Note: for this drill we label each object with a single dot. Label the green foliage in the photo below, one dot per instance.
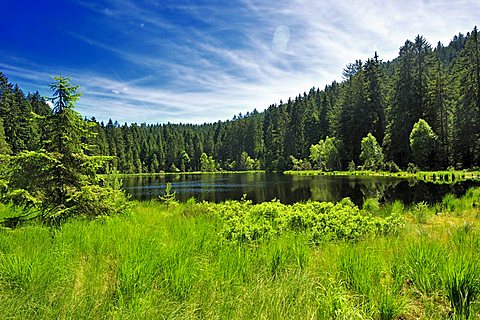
(322, 221)
(4, 147)
(326, 155)
(60, 179)
(371, 205)
(391, 166)
(461, 281)
(372, 155)
(452, 204)
(351, 166)
(300, 164)
(420, 212)
(411, 168)
(423, 144)
(207, 164)
(158, 263)
(169, 196)
(246, 162)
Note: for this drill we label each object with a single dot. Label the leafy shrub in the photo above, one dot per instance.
(371, 205)
(322, 221)
(351, 166)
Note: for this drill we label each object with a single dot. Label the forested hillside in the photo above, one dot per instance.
(439, 84)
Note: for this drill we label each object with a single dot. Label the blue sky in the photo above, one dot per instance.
(203, 61)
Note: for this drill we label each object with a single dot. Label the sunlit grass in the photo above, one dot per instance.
(176, 263)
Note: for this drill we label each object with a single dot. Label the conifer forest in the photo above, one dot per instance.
(439, 84)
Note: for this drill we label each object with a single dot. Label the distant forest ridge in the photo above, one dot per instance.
(439, 84)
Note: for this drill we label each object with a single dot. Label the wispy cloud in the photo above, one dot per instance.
(215, 60)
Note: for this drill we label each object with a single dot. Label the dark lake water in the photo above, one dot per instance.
(261, 187)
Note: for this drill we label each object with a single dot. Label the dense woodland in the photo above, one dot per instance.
(439, 84)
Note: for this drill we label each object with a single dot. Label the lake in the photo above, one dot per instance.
(289, 189)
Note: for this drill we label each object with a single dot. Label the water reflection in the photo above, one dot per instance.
(261, 187)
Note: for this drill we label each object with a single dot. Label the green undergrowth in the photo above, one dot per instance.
(320, 221)
(237, 260)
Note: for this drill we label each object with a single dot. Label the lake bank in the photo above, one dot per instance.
(431, 176)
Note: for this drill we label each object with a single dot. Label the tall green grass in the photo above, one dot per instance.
(179, 263)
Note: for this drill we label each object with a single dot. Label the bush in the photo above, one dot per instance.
(322, 221)
(94, 201)
(371, 205)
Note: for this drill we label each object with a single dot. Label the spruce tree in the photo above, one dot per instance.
(467, 111)
(60, 179)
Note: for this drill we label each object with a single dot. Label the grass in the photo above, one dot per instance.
(176, 263)
(430, 176)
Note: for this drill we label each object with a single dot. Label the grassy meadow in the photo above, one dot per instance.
(237, 260)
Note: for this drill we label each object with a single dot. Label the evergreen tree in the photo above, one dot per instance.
(439, 111)
(396, 145)
(60, 179)
(375, 97)
(354, 120)
(4, 147)
(10, 112)
(467, 118)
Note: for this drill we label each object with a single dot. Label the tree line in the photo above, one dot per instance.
(379, 100)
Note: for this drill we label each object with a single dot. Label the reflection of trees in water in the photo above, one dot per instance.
(356, 188)
(372, 188)
(290, 189)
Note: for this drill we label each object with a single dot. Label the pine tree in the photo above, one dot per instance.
(376, 103)
(439, 112)
(467, 118)
(60, 179)
(4, 147)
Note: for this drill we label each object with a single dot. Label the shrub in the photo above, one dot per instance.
(371, 205)
(322, 221)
